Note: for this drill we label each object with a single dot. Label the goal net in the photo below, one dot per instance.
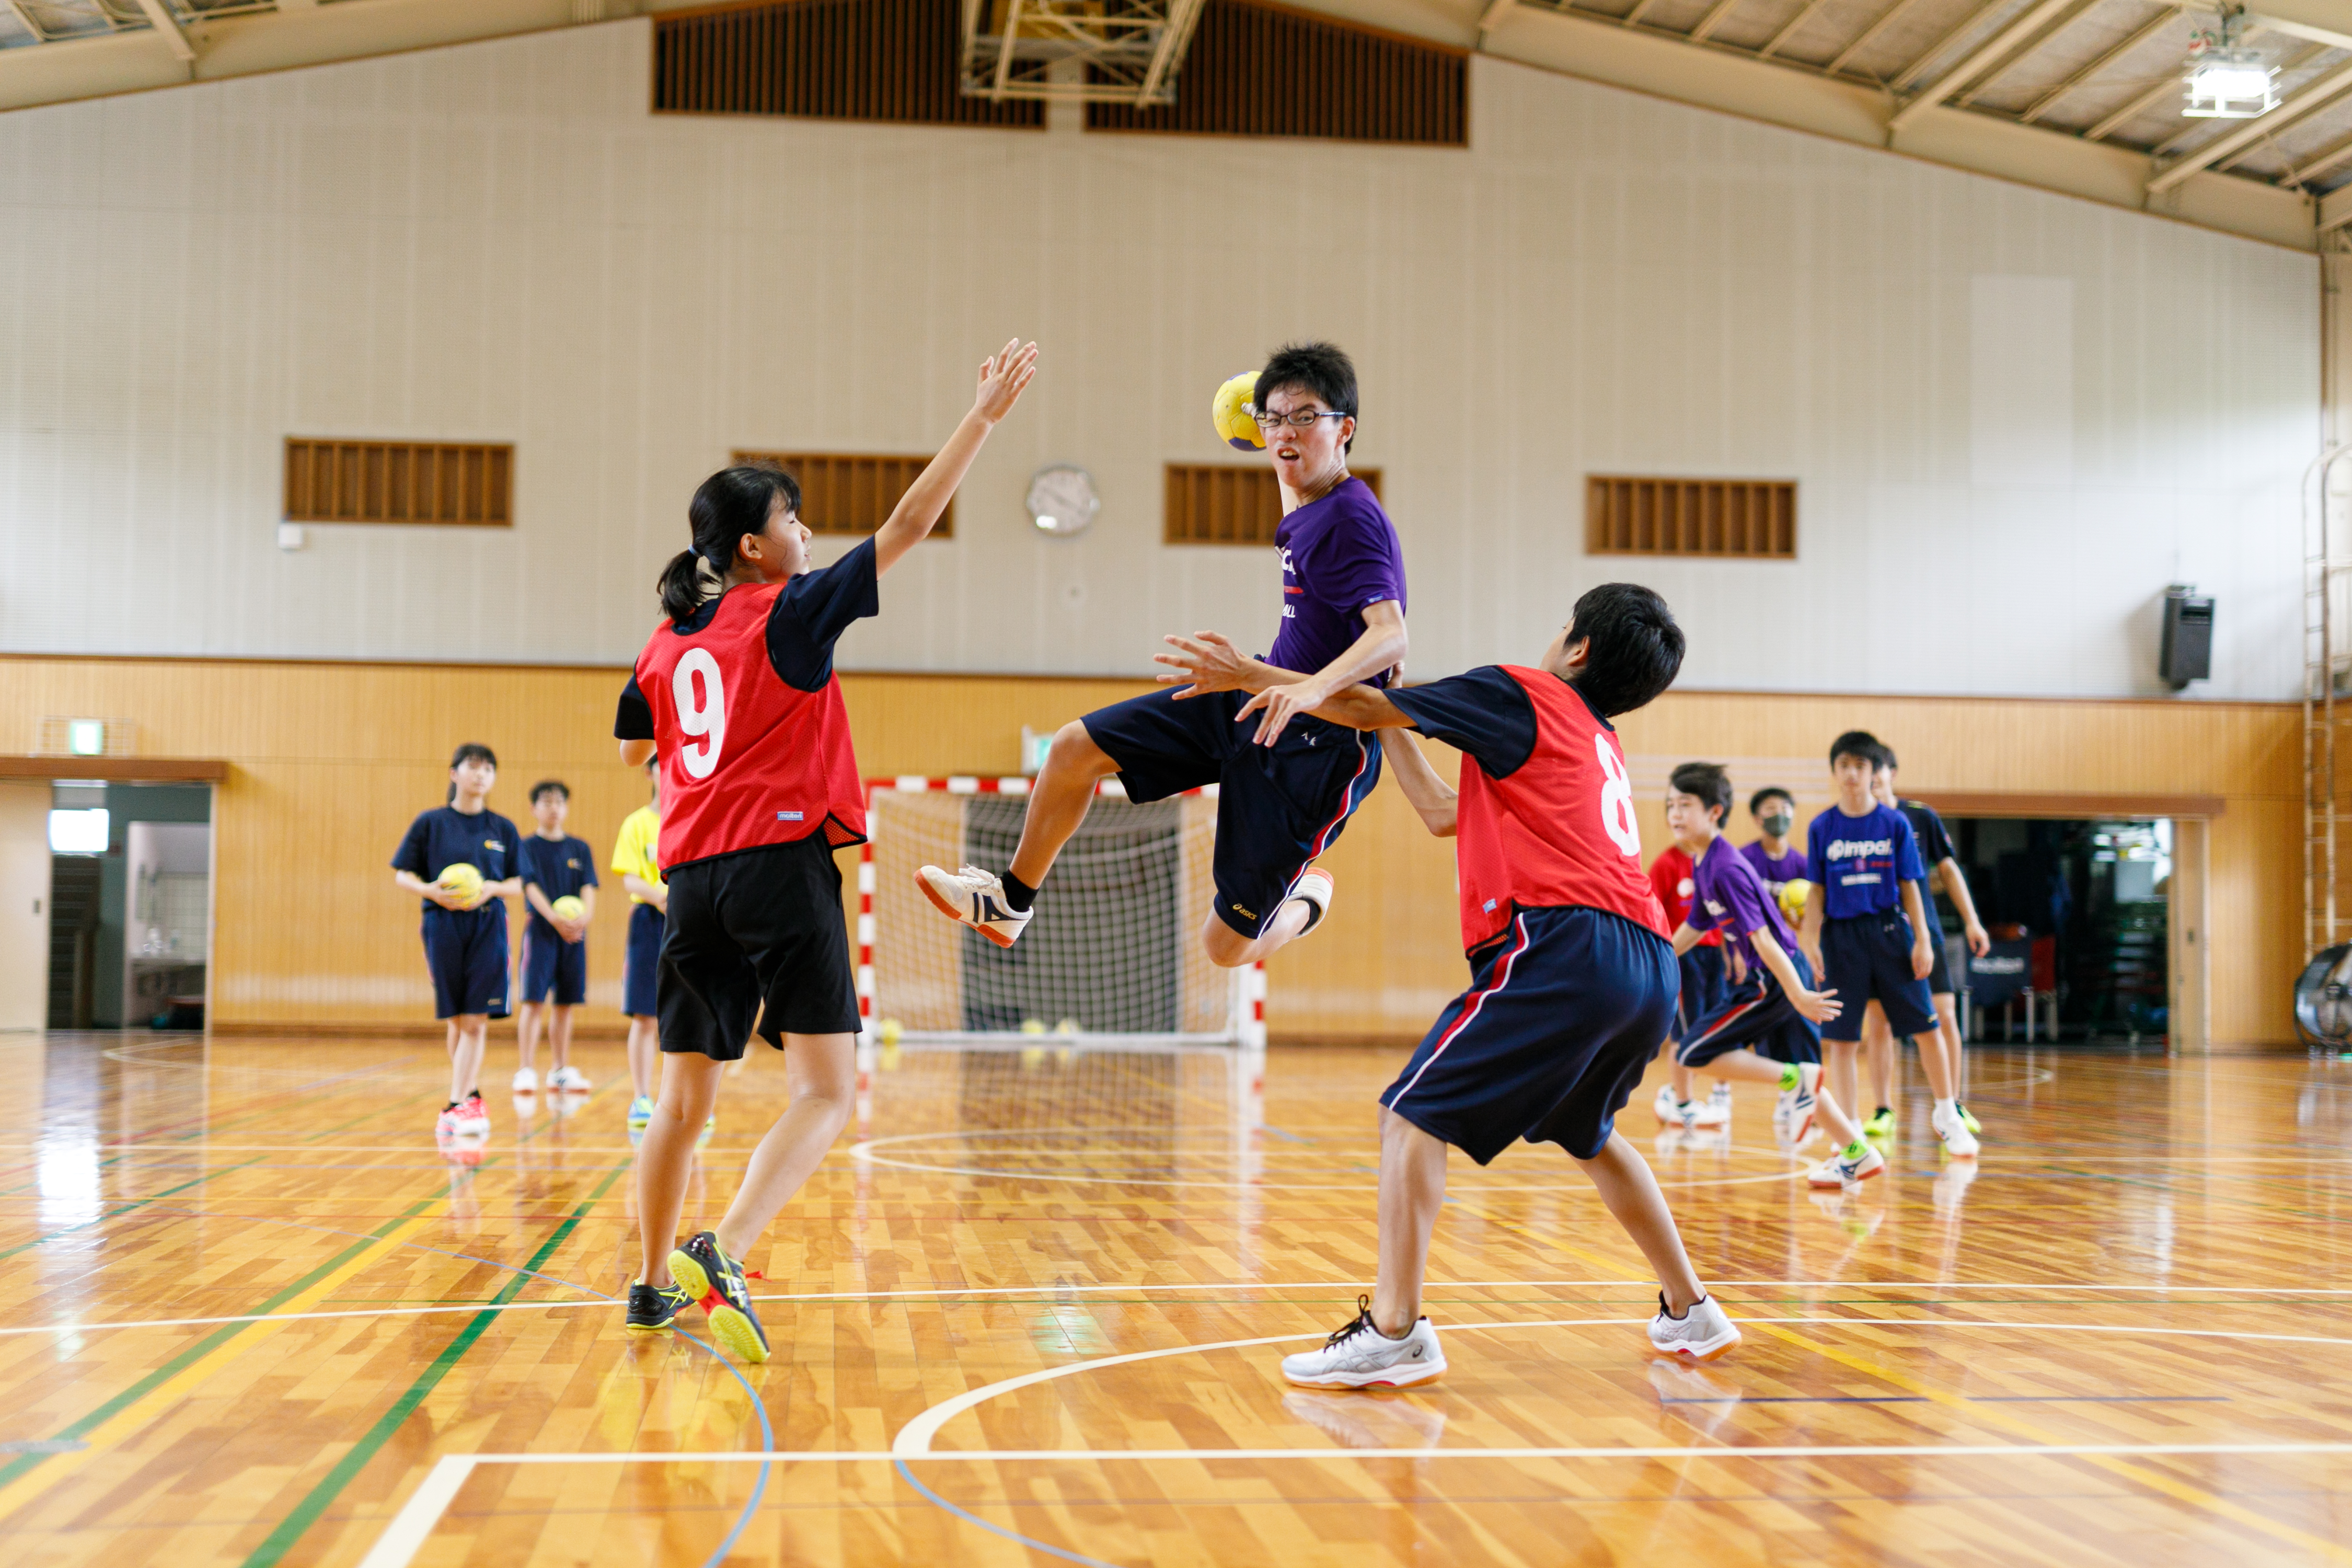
(1113, 956)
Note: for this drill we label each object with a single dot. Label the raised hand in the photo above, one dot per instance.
(1208, 660)
(1001, 378)
(1280, 705)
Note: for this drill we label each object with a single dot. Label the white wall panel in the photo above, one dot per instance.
(498, 242)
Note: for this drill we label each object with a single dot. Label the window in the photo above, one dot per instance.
(82, 832)
(1228, 503)
(892, 60)
(844, 492)
(399, 481)
(1746, 519)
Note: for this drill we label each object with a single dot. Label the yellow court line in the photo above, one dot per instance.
(135, 1417)
(2180, 1491)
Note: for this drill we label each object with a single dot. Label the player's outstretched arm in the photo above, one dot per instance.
(1433, 799)
(1207, 661)
(1382, 648)
(1820, 1007)
(1956, 887)
(1001, 378)
(1357, 707)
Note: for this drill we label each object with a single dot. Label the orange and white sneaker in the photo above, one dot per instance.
(975, 898)
(469, 1118)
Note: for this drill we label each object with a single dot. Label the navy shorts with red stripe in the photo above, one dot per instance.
(1758, 1015)
(1278, 806)
(1564, 1013)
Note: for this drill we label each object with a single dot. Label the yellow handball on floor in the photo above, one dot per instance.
(887, 1031)
(568, 908)
(463, 878)
(1032, 1026)
(1231, 414)
(1792, 898)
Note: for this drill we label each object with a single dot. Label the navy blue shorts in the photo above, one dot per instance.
(1278, 808)
(466, 953)
(551, 964)
(639, 976)
(1939, 979)
(1868, 959)
(1756, 1015)
(1564, 1013)
(1703, 984)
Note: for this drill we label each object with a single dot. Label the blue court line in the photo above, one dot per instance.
(970, 1518)
(1278, 1132)
(1972, 1398)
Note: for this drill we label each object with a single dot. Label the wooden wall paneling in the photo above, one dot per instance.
(2188, 956)
(327, 762)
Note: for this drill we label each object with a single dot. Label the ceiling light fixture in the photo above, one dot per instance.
(2226, 79)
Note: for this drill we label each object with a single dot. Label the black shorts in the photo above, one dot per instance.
(1278, 808)
(641, 969)
(466, 951)
(1939, 979)
(552, 966)
(1564, 1013)
(1756, 1015)
(1702, 983)
(1867, 958)
(755, 937)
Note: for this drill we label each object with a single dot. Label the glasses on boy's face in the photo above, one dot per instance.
(1301, 417)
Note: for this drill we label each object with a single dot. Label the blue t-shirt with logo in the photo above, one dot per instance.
(1339, 555)
(1727, 896)
(1862, 862)
(560, 867)
(443, 836)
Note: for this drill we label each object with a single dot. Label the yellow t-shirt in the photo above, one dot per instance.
(635, 852)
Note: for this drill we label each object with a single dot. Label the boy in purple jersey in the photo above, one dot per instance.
(1777, 860)
(1778, 1002)
(1278, 807)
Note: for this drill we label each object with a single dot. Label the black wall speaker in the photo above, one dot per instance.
(2188, 651)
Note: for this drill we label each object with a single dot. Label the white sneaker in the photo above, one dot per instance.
(974, 897)
(526, 1081)
(1720, 1100)
(1958, 1142)
(568, 1077)
(1837, 1171)
(1700, 1117)
(1802, 1098)
(1313, 889)
(1780, 1108)
(1667, 1109)
(1360, 1356)
(1702, 1333)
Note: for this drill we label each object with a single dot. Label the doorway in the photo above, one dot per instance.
(130, 946)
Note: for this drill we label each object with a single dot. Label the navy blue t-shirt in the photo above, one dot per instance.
(559, 868)
(1862, 862)
(1482, 712)
(443, 836)
(807, 619)
(1935, 843)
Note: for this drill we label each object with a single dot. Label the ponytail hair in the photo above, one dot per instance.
(472, 750)
(728, 505)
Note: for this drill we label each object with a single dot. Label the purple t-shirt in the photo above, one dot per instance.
(1772, 873)
(1338, 554)
(1727, 896)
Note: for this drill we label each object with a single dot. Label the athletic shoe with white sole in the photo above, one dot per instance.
(526, 1081)
(1958, 1142)
(1881, 1123)
(1802, 1100)
(1701, 1116)
(974, 897)
(569, 1079)
(1702, 1333)
(1780, 1109)
(1667, 1108)
(1842, 1171)
(1358, 1355)
(467, 1119)
(641, 1110)
(1720, 1100)
(1313, 889)
(1967, 1119)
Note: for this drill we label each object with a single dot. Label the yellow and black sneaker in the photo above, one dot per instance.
(716, 1282)
(653, 1308)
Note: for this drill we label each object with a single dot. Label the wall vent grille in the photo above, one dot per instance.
(890, 60)
(399, 481)
(1753, 520)
(849, 493)
(1228, 503)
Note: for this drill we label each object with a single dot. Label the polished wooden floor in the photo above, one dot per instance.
(1031, 1308)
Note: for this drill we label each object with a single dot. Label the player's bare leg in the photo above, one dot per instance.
(1838, 1074)
(1623, 1180)
(1878, 1044)
(689, 1092)
(1229, 949)
(1412, 1187)
(558, 1037)
(1059, 799)
(821, 1072)
(1748, 1066)
(469, 1038)
(1948, 1024)
(527, 1018)
(644, 1056)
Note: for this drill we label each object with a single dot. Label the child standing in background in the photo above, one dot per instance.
(636, 862)
(465, 929)
(554, 947)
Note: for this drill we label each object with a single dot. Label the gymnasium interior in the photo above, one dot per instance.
(1972, 372)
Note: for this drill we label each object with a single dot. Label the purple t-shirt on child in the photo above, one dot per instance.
(1771, 873)
(1338, 554)
(1727, 896)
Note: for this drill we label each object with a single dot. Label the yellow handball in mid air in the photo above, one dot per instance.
(462, 879)
(1792, 898)
(1236, 426)
(568, 908)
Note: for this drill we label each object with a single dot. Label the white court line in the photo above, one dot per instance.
(1058, 1288)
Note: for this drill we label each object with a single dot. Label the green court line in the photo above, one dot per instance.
(306, 1513)
(195, 1353)
(126, 1208)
